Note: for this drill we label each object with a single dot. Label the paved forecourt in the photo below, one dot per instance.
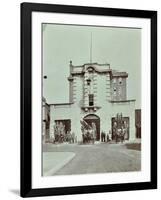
(66, 159)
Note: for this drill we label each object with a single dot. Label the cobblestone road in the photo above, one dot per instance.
(97, 158)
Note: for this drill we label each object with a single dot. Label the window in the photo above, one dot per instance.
(88, 81)
(91, 99)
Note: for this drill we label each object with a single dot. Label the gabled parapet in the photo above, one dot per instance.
(86, 80)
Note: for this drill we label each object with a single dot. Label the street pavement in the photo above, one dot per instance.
(53, 161)
(97, 158)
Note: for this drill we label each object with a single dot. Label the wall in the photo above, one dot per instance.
(71, 112)
(128, 110)
(101, 89)
(78, 90)
(9, 101)
(110, 110)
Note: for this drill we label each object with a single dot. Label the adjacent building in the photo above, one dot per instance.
(45, 121)
(138, 123)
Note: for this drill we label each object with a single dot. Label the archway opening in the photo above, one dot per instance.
(91, 118)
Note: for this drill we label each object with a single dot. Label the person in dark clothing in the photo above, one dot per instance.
(103, 136)
(107, 138)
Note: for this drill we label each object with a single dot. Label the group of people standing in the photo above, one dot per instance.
(119, 135)
(59, 132)
(61, 135)
(106, 137)
(89, 133)
(120, 132)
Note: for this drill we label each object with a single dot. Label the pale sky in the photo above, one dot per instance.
(120, 47)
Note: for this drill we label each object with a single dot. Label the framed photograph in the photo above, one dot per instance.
(88, 99)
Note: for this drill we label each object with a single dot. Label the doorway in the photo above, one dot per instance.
(66, 123)
(91, 118)
(119, 123)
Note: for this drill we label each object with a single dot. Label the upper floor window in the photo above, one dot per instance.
(91, 99)
(88, 81)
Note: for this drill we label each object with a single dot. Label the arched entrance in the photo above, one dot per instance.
(91, 118)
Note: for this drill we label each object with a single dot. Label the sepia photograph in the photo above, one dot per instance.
(91, 99)
(80, 100)
(88, 99)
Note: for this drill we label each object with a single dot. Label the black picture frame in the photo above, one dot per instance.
(26, 103)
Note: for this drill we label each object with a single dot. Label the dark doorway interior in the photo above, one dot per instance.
(95, 119)
(124, 120)
(66, 123)
(138, 123)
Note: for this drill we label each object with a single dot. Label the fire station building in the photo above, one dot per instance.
(96, 94)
